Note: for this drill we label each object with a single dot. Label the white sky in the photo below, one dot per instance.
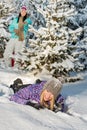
(14, 116)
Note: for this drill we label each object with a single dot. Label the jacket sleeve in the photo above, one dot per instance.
(60, 99)
(29, 21)
(13, 25)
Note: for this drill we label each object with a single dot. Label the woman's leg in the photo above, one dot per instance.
(19, 46)
(9, 51)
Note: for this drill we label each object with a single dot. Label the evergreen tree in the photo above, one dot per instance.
(77, 26)
(50, 52)
(57, 38)
(5, 11)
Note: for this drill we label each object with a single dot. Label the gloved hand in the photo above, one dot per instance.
(35, 105)
(58, 107)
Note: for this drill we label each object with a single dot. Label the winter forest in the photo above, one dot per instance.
(55, 46)
(56, 41)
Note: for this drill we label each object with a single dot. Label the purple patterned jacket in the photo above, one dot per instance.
(31, 93)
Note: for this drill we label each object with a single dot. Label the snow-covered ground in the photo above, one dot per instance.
(14, 116)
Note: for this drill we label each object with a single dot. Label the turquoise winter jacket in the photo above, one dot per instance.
(14, 25)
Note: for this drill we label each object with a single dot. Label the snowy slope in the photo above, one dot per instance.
(21, 117)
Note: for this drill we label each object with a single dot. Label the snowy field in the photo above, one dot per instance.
(14, 116)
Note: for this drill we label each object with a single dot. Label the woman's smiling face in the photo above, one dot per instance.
(47, 95)
(23, 12)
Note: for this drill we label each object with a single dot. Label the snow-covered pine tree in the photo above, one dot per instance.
(49, 52)
(78, 34)
(5, 11)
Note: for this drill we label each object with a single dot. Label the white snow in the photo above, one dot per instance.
(14, 116)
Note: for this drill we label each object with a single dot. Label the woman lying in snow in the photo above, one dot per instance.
(45, 93)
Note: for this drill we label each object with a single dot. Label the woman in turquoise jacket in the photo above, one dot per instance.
(18, 29)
